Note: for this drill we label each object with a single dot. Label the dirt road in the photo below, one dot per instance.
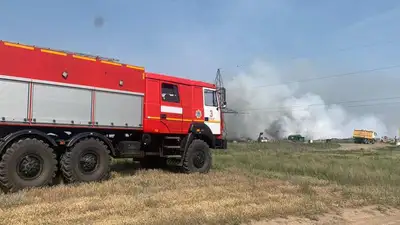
(353, 146)
(364, 216)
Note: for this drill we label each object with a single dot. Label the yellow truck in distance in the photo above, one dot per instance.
(364, 136)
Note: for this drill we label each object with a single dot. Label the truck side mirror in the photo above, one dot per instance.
(223, 97)
(223, 105)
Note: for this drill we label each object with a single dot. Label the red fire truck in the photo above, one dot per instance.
(68, 114)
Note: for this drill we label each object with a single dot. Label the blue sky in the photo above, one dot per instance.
(192, 38)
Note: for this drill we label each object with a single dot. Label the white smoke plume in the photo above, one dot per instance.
(278, 112)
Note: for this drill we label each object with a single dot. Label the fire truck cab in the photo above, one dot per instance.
(173, 104)
(65, 115)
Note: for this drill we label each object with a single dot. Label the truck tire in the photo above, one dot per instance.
(27, 163)
(198, 158)
(89, 160)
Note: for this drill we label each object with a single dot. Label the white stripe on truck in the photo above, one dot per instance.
(171, 109)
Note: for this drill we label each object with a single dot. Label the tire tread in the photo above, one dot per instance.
(197, 143)
(66, 162)
(7, 185)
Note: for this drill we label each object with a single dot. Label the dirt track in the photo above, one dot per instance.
(353, 146)
(364, 216)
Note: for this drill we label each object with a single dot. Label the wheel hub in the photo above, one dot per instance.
(199, 159)
(29, 167)
(88, 162)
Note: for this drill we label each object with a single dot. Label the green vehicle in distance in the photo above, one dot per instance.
(296, 138)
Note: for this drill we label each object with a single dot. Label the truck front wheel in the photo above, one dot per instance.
(27, 163)
(89, 160)
(198, 158)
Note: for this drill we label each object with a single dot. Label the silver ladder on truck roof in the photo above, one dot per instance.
(83, 54)
(74, 53)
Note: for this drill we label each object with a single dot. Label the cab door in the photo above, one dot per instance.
(212, 115)
(170, 107)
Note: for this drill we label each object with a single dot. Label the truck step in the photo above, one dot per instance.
(172, 138)
(172, 146)
(152, 153)
(173, 162)
(173, 156)
(131, 155)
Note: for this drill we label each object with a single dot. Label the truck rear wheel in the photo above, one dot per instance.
(27, 163)
(89, 160)
(198, 158)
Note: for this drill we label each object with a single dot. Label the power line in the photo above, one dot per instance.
(368, 45)
(307, 107)
(344, 49)
(362, 46)
(342, 74)
(376, 104)
(332, 103)
(333, 76)
(293, 110)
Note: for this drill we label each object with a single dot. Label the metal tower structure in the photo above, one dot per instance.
(219, 83)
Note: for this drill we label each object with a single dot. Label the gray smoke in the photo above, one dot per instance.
(279, 111)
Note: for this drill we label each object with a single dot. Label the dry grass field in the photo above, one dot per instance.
(248, 183)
